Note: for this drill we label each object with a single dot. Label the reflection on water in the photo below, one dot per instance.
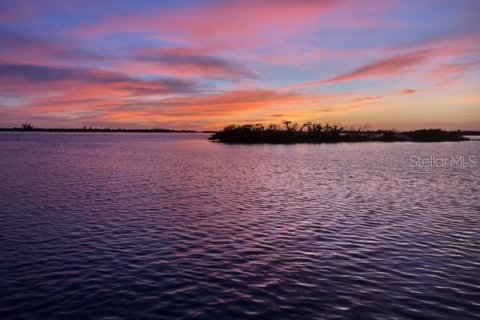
(170, 225)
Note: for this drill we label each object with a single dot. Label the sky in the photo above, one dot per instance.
(390, 64)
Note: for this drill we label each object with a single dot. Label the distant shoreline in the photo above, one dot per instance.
(162, 130)
(96, 130)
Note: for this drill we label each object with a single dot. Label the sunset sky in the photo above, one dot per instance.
(205, 64)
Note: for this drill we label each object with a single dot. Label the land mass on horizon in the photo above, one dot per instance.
(288, 133)
(29, 128)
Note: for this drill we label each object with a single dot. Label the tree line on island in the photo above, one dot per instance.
(324, 133)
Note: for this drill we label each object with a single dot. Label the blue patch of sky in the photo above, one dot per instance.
(417, 21)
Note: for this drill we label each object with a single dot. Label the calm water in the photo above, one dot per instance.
(140, 226)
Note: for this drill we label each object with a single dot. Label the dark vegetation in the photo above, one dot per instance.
(318, 133)
(470, 133)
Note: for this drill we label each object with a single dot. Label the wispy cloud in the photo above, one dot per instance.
(387, 67)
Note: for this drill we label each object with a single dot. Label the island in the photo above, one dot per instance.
(325, 133)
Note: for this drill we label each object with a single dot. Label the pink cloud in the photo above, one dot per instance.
(386, 67)
(448, 73)
(240, 24)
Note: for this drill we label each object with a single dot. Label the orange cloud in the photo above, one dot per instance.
(407, 91)
(109, 105)
(369, 98)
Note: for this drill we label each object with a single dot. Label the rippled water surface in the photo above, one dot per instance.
(170, 226)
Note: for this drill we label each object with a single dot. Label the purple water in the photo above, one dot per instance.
(172, 226)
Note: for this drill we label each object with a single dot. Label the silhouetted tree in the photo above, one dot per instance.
(305, 125)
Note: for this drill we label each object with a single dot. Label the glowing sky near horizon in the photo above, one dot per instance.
(205, 64)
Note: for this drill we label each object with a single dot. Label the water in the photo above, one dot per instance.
(148, 226)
